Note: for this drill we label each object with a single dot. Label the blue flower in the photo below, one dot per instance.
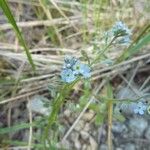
(68, 75)
(83, 69)
(120, 29)
(72, 68)
(77, 67)
(124, 40)
(140, 108)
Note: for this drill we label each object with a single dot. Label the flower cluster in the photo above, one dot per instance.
(121, 32)
(140, 108)
(73, 68)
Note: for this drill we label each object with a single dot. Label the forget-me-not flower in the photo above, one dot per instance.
(73, 68)
(140, 108)
(83, 69)
(68, 75)
(77, 67)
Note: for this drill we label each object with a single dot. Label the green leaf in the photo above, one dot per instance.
(109, 91)
(8, 14)
(119, 117)
(15, 128)
(99, 119)
(144, 41)
(6, 82)
(20, 143)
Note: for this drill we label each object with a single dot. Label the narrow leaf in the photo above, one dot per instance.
(144, 41)
(8, 14)
(15, 128)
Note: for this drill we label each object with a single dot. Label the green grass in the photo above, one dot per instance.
(142, 40)
(5, 7)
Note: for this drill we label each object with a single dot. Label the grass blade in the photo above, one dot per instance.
(8, 14)
(15, 128)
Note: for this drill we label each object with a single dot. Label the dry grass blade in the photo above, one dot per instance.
(19, 97)
(25, 2)
(30, 130)
(54, 28)
(48, 23)
(63, 14)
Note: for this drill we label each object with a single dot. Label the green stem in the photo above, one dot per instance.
(102, 52)
(58, 101)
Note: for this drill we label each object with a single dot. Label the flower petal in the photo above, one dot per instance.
(141, 112)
